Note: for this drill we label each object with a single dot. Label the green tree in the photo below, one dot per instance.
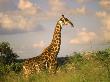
(7, 55)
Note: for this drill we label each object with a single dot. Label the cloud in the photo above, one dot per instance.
(105, 3)
(23, 20)
(107, 36)
(79, 11)
(17, 30)
(101, 14)
(25, 4)
(6, 22)
(4, 1)
(7, 5)
(28, 7)
(84, 1)
(83, 37)
(106, 28)
(41, 44)
(26, 18)
(80, 1)
(11, 22)
(17, 23)
(58, 7)
(105, 20)
(106, 23)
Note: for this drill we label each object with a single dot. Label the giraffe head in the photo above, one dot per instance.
(65, 21)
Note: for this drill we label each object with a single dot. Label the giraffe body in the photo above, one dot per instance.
(47, 60)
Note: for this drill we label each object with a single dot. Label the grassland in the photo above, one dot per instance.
(79, 67)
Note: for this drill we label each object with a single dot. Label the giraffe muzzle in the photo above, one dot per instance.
(71, 24)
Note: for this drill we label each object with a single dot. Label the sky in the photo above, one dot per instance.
(28, 25)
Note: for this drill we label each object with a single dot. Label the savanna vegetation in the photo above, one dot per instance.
(79, 67)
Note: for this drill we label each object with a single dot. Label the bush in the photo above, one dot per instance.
(16, 67)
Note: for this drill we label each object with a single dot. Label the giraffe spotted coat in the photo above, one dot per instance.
(47, 60)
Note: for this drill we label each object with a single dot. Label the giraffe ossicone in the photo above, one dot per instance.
(47, 60)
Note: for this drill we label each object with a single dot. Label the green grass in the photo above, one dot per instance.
(78, 68)
(82, 75)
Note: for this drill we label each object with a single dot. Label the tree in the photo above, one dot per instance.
(7, 55)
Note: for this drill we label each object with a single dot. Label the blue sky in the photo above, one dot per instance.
(28, 25)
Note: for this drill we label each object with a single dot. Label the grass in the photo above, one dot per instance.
(82, 75)
(78, 68)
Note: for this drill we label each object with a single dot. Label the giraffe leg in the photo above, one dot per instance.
(53, 67)
(26, 72)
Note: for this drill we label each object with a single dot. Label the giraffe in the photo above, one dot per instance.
(47, 60)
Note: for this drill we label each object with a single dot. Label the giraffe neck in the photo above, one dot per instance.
(56, 41)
